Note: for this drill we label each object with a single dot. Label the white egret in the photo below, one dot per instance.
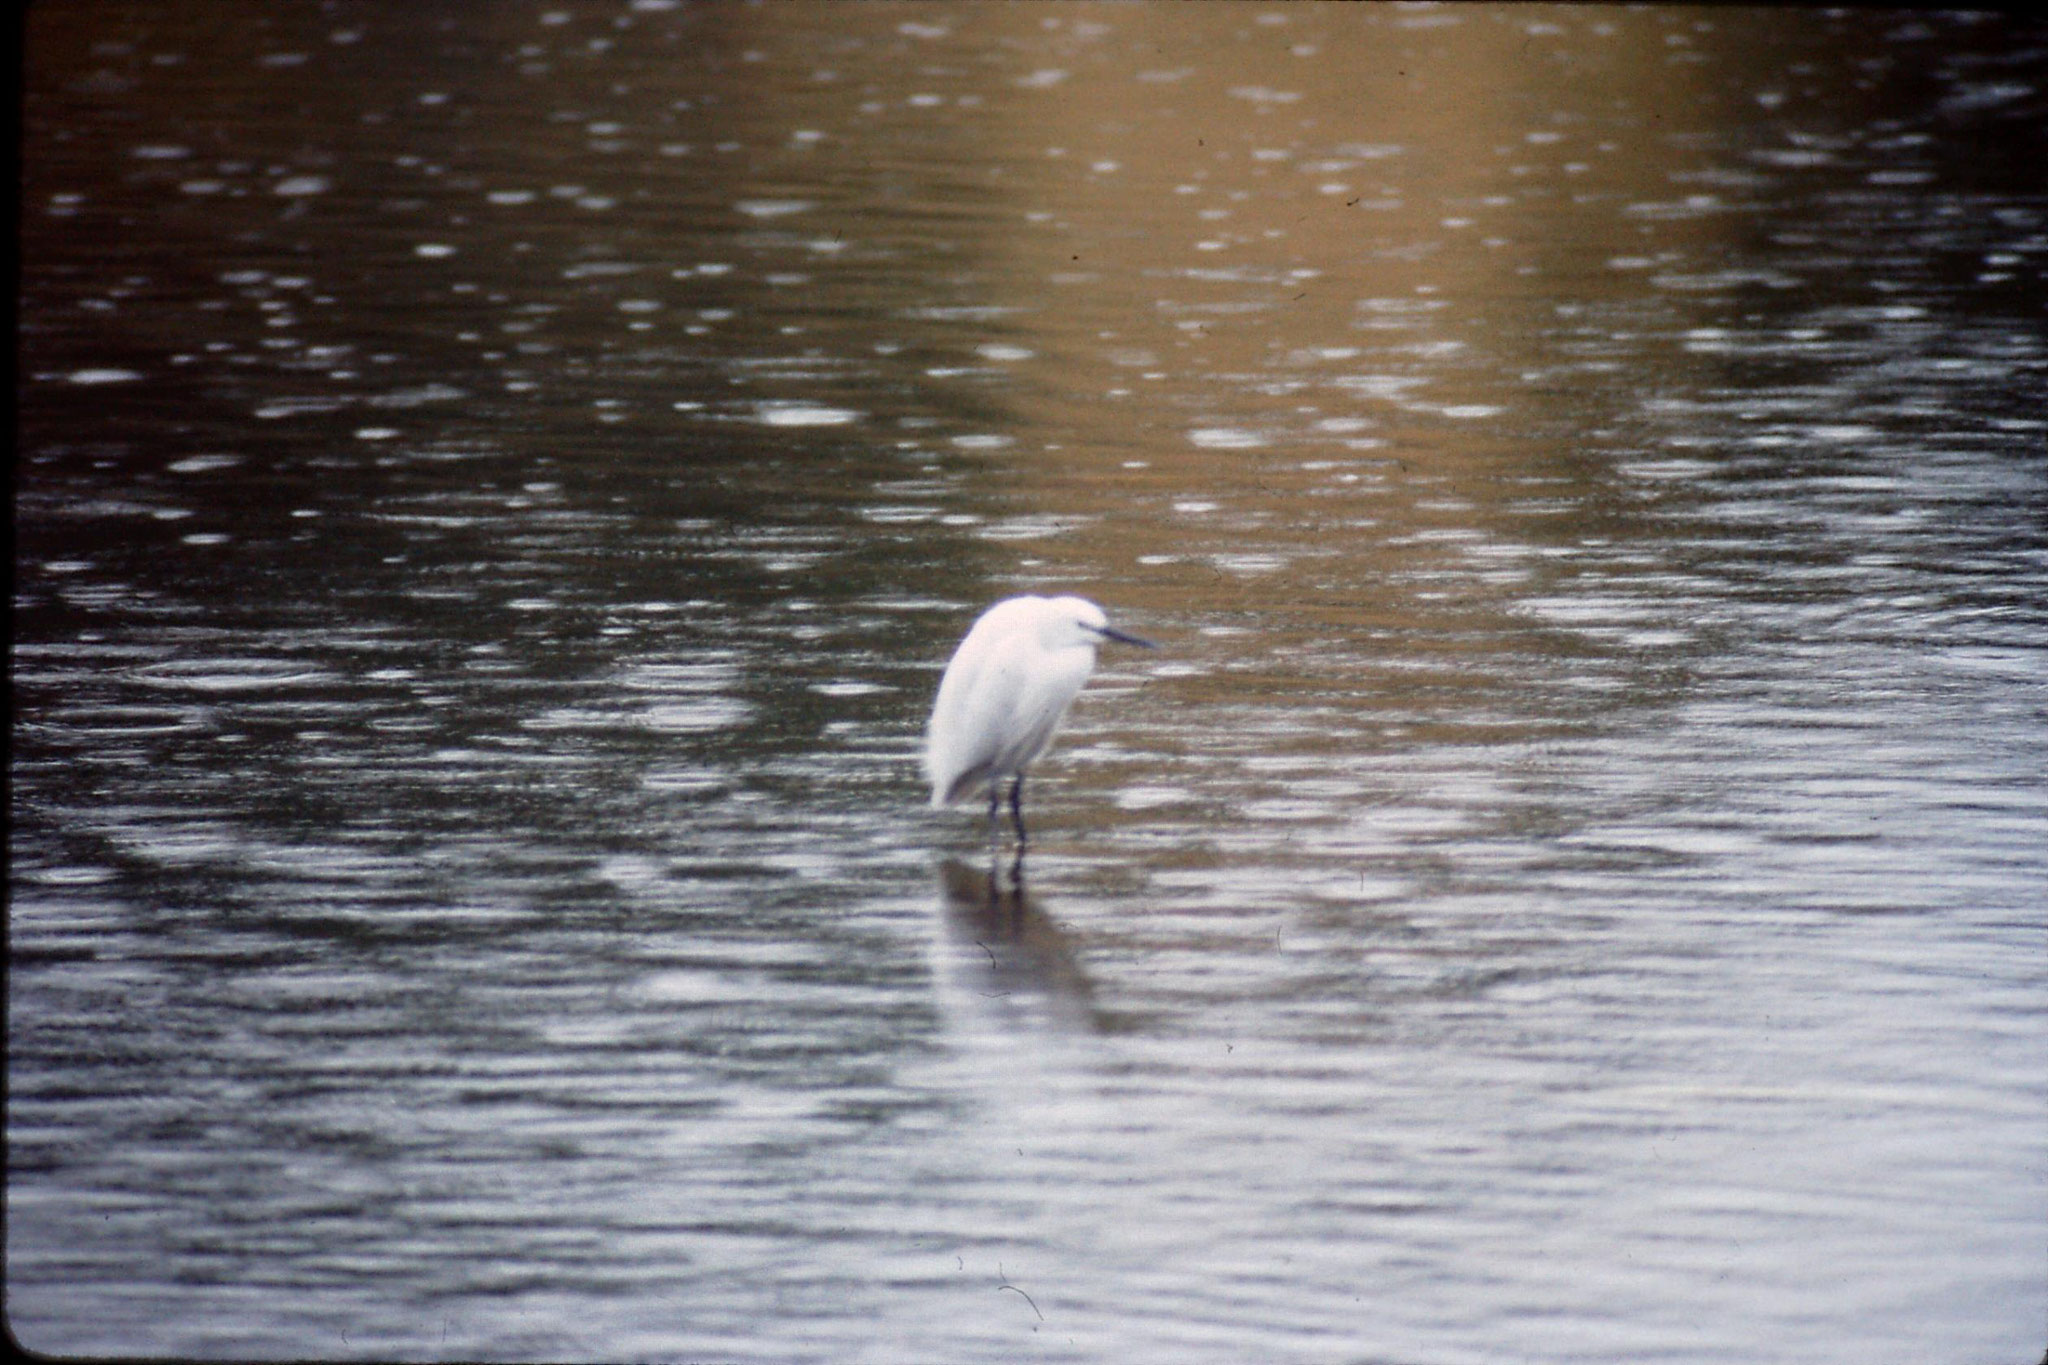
(1005, 691)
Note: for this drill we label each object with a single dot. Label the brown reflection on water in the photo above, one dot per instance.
(1309, 318)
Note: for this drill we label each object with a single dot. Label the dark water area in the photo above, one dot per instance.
(496, 487)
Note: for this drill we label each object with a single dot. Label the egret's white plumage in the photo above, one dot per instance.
(1005, 692)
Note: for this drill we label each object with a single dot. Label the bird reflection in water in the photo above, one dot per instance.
(1007, 953)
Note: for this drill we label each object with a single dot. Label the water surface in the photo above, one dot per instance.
(497, 486)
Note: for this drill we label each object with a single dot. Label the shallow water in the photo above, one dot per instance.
(497, 487)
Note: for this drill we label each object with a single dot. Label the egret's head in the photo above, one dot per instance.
(1077, 621)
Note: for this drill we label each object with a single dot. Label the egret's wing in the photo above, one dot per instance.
(1040, 704)
(998, 718)
(966, 733)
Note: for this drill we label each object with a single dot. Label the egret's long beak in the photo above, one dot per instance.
(1111, 633)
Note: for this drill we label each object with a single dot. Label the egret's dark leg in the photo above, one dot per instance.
(1017, 809)
(995, 805)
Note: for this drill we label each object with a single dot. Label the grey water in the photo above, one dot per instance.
(496, 486)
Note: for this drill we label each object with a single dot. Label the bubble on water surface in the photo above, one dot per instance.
(200, 464)
(802, 414)
(773, 208)
(1225, 438)
(229, 674)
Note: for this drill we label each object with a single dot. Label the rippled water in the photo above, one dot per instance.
(496, 488)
